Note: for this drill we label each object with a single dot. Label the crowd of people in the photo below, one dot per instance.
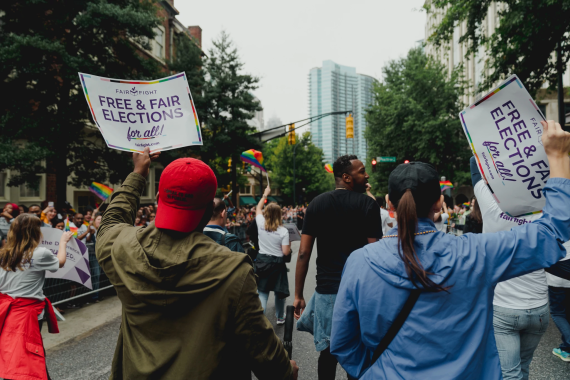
(396, 296)
(245, 215)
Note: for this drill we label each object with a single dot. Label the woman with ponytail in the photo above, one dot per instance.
(419, 303)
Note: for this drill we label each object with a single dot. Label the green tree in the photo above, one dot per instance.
(43, 45)
(527, 34)
(230, 104)
(188, 58)
(310, 173)
(415, 117)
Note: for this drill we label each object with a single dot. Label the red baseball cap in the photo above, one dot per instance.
(187, 186)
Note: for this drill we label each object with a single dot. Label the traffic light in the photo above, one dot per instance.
(407, 162)
(291, 135)
(373, 165)
(230, 165)
(349, 126)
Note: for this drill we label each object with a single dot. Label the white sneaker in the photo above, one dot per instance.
(280, 321)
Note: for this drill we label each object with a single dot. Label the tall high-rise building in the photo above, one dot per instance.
(334, 87)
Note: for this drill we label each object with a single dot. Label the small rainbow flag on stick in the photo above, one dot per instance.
(100, 190)
(328, 168)
(444, 185)
(68, 228)
(255, 158)
(467, 204)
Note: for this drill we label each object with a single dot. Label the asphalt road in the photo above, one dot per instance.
(89, 356)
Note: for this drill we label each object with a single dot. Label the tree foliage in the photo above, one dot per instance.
(310, 173)
(414, 117)
(43, 45)
(229, 104)
(527, 34)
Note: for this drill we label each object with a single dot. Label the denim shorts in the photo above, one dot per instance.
(317, 319)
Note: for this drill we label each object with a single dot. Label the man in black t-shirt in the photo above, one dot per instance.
(342, 221)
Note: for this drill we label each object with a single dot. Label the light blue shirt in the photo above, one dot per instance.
(447, 335)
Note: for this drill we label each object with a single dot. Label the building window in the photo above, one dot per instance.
(158, 43)
(157, 174)
(145, 191)
(456, 47)
(26, 191)
(479, 66)
(3, 180)
(245, 190)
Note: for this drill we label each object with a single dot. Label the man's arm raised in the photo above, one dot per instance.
(123, 203)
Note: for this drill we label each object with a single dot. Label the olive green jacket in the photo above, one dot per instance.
(190, 306)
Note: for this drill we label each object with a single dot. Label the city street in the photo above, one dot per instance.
(89, 356)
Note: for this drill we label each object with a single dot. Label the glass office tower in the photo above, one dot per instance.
(334, 87)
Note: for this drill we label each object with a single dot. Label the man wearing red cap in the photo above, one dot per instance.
(190, 306)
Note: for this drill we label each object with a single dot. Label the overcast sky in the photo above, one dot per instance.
(281, 41)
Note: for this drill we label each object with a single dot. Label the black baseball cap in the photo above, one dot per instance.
(421, 178)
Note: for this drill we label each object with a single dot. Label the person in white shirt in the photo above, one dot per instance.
(440, 219)
(23, 267)
(82, 230)
(274, 246)
(520, 306)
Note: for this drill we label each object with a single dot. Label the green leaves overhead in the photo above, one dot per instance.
(415, 117)
(528, 32)
(43, 44)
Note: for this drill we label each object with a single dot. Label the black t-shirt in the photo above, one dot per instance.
(341, 220)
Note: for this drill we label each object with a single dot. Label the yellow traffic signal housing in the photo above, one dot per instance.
(291, 135)
(230, 165)
(349, 126)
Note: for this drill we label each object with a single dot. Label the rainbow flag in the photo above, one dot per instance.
(328, 168)
(100, 190)
(444, 185)
(253, 157)
(68, 228)
(467, 204)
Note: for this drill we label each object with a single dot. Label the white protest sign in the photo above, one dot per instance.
(132, 115)
(504, 131)
(76, 266)
(294, 234)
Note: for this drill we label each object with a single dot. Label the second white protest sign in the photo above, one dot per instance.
(504, 131)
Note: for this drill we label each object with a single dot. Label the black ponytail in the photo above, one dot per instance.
(407, 217)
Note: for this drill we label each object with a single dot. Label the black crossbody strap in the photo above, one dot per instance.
(396, 326)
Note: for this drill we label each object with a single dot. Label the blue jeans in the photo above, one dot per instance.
(517, 333)
(317, 319)
(560, 312)
(279, 304)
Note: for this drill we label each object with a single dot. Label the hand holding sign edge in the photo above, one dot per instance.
(556, 144)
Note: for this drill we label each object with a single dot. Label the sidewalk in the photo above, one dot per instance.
(79, 323)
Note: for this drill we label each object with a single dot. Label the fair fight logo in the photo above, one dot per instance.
(134, 92)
